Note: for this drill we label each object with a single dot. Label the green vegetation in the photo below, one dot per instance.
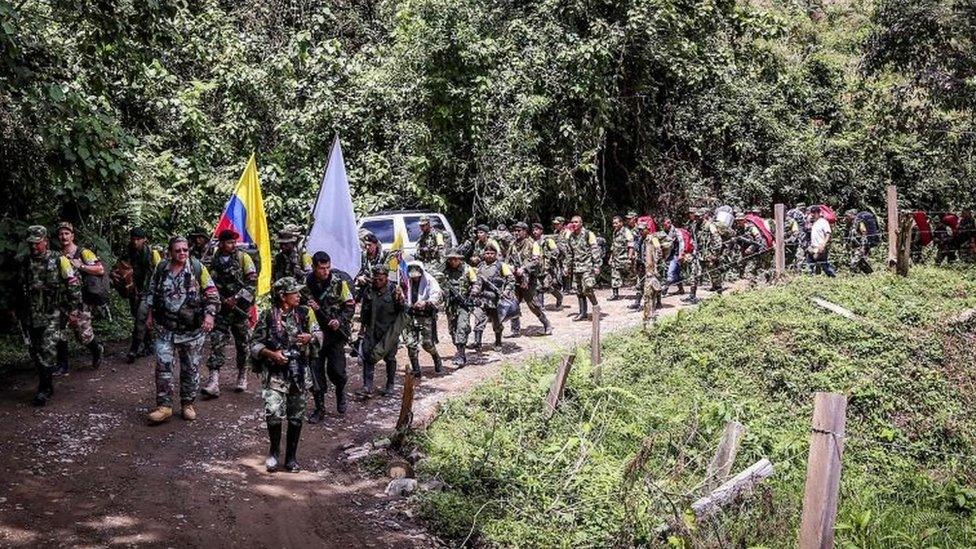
(756, 357)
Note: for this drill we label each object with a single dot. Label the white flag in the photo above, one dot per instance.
(334, 229)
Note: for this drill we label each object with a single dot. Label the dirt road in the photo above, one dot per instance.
(87, 471)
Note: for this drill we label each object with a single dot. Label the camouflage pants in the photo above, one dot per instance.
(859, 260)
(756, 265)
(190, 354)
(649, 296)
(481, 317)
(82, 329)
(139, 311)
(695, 271)
(533, 299)
(43, 343)
(227, 326)
(283, 404)
(583, 284)
(619, 271)
(419, 332)
(641, 278)
(459, 324)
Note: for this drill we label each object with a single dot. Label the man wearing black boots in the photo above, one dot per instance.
(284, 339)
(332, 300)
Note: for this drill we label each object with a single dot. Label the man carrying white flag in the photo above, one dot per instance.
(334, 222)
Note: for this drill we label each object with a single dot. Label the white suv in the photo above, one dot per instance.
(386, 224)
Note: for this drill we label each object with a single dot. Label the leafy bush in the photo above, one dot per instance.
(619, 459)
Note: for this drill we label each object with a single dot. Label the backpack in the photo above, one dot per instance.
(94, 288)
(689, 243)
(871, 223)
(760, 224)
(924, 229)
(828, 213)
(188, 320)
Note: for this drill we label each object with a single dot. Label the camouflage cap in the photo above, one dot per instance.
(538, 226)
(287, 285)
(801, 205)
(425, 219)
(36, 233)
(559, 219)
(285, 236)
(66, 226)
(521, 225)
(642, 225)
(631, 214)
(482, 228)
(198, 231)
(454, 253)
(380, 269)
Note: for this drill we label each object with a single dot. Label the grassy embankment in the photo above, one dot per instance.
(909, 475)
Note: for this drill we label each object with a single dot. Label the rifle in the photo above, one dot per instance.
(454, 297)
(329, 314)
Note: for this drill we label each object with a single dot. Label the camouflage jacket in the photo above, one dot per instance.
(582, 252)
(279, 330)
(623, 242)
(189, 291)
(526, 256)
(430, 249)
(51, 287)
(335, 302)
(294, 264)
(497, 276)
(457, 285)
(235, 275)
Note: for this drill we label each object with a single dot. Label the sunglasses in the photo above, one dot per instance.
(181, 250)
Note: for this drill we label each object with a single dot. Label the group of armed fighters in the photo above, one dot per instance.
(198, 294)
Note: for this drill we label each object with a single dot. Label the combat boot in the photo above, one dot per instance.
(160, 415)
(45, 388)
(274, 437)
(189, 412)
(582, 310)
(692, 298)
(614, 294)
(318, 414)
(415, 366)
(62, 355)
(498, 342)
(341, 401)
(546, 326)
(97, 350)
(291, 447)
(516, 328)
(438, 364)
(559, 302)
(241, 381)
(636, 305)
(477, 340)
(133, 353)
(212, 388)
(460, 360)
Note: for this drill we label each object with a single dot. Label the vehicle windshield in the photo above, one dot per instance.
(413, 226)
(382, 228)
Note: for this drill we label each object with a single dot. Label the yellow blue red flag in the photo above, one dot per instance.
(244, 214)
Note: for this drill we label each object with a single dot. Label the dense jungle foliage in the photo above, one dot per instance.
(124, 112)
(621, 458)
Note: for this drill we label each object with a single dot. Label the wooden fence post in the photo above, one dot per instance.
(779, 242)
(558, 385)
(721, 464)
(823, 471)
(595, 359)
(406, 404)
(891, 193)
(904, 259)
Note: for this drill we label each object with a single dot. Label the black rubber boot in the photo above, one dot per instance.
(134, 350)
(460, 359)
(546, 326)
(614, 294)
(636, 305)
(477, 340)
(341, 401)
(291, 446)
(318, 414)
(559, 300)
(274, 448)
(438, 364)
(415, 366)
(45, 387)
(96, 350)
(498, 342)
(62, 355)
(582, 310)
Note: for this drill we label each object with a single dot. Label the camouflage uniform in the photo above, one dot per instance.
(526, 258)
(583, 259)
(143, 261)
(294, 263)
(430, 249)
(552, 276)
(235, 277)
(712, 246)
(475, 248)
(82, 327)
(755, 263)
(857, 244)
(420, 325)
(52, 290)
(653, 253)
(503, 239)
(334, 300)
(381, 326)
(620, 257)
(492, 282)
(283, 386)
(200, 252)
(178, 303)
(366, 265)
(457, 304)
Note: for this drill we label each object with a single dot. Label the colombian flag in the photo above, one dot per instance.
(244, 214)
